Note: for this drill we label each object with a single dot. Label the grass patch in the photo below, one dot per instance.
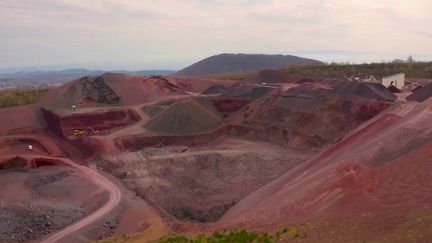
(238, 76)
(17, 97)
(234, 236)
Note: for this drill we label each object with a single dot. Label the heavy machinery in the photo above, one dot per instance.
(88, 132)
(79, 133)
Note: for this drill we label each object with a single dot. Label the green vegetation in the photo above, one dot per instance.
(335, 70)
(294, 232)
(415, 69)
(17, 97)
(232, 75)
(234, 236)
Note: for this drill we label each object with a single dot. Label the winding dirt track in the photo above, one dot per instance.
(101, 181)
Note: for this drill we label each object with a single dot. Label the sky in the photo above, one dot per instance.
(171, 34)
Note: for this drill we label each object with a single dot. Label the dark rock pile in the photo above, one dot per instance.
(33, 221)
(421, 94)
(96, 90)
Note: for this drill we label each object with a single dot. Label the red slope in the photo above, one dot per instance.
(20, 119)
(354, 175)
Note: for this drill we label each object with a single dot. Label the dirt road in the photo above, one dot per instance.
(101, 181)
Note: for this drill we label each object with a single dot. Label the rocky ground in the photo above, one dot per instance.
(201, 184)
(39, 201)
(23, 222)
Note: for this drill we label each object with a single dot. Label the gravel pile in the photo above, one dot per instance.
(21, 223)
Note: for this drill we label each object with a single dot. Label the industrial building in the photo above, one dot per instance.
(397, 80)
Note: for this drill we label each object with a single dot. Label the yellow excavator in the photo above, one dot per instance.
(79, 133)
(88, 132)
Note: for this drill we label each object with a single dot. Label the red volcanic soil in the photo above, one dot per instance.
(239, 156)
(137, 142)
(201, 182)
(229, 105)
(121, 89)
(381, 165)
(15, 153)
(22, 119)
(19, 162)
(98, 120)
(307, 116)
(246, 91)
(107, 107)
(271, 76)
(198, 85)
(98, 100)
(237, 96)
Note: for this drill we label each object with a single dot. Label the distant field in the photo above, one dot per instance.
(17, 97)
(414, 70)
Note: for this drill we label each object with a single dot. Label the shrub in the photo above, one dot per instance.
(294, 232)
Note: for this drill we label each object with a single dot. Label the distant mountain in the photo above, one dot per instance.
(30, 79)
(223, 63)
(47, 78)
(50, 73)
(148, 72)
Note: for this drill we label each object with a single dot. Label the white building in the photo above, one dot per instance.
(397, 80)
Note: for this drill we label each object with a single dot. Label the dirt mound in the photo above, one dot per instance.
(84, 92)
(159, 84)
(307, 116)
(247, 91)
(136, 89)
(305, 95)
(421, 94)
(122, 89)
(364, 90)
(153, 110)
(198, 85)
(269, 76)
(191, 116)
(214, 89)
(276, 76)
(91, 90)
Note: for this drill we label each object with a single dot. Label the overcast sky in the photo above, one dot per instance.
(169, 34)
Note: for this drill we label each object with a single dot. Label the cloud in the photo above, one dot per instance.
(174, 33)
